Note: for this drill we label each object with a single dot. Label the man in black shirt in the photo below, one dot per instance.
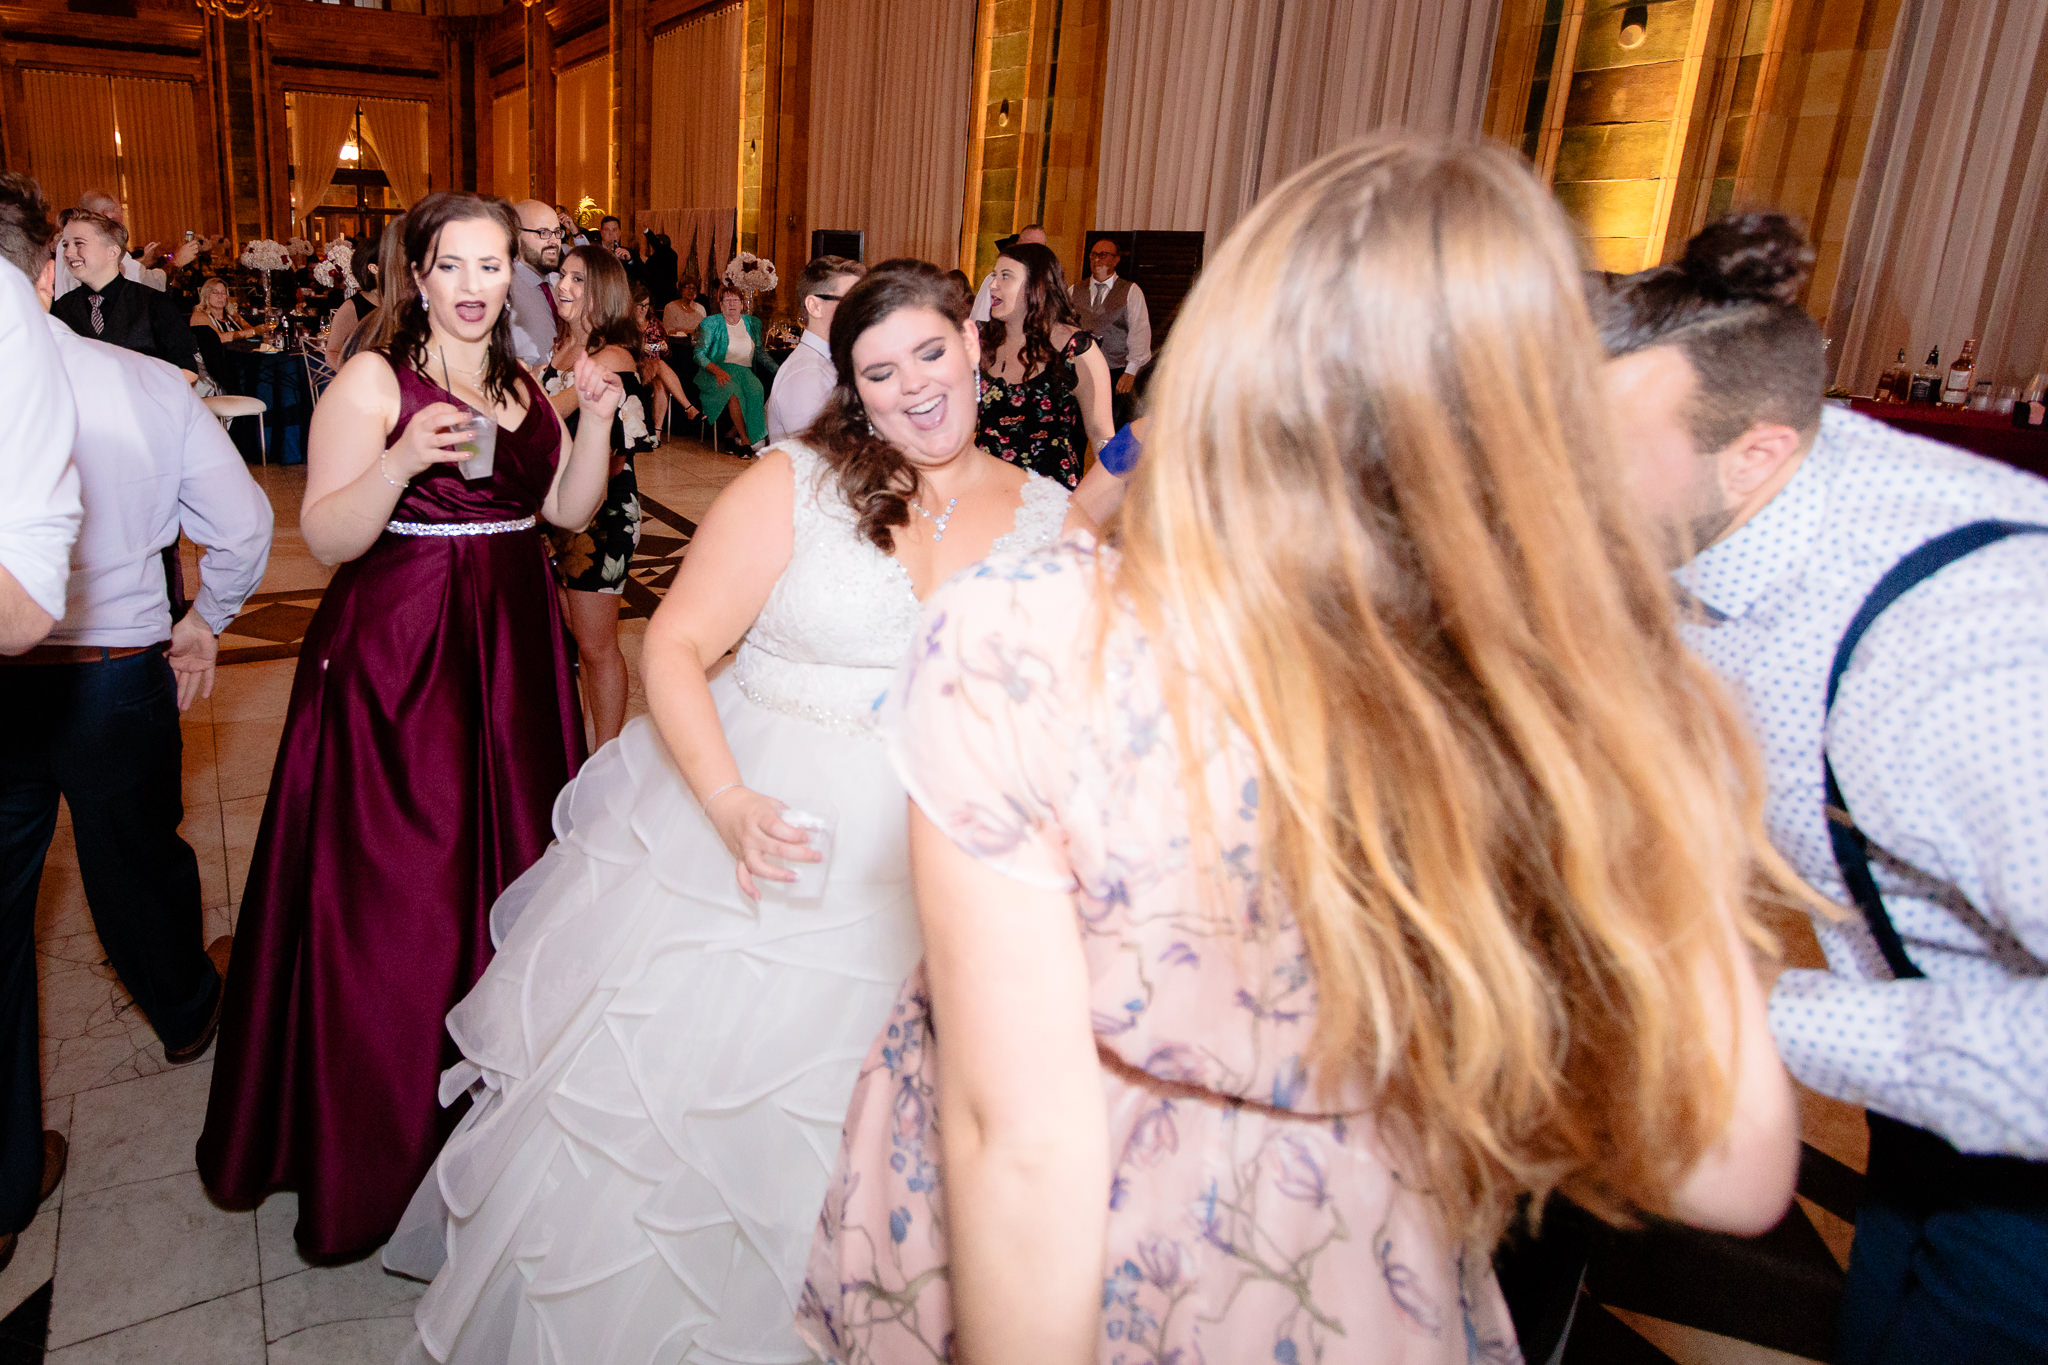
(109, 307)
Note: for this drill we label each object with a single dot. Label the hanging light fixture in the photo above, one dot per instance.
(351, 152)
(1635, 27)
(1003, 115)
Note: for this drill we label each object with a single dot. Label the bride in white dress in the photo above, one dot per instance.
(661, 1058)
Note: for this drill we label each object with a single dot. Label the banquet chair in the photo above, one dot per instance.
(318, 374)
(228, 406)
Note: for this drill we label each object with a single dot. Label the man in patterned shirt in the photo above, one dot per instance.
(1933, 1012)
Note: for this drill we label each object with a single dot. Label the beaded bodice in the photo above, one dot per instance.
(842, 615)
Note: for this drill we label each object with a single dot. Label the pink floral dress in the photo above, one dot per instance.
(1251, 1218)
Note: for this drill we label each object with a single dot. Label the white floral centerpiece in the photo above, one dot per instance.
(334, 268)
(264, 255)
(298, 246)
(751, 275)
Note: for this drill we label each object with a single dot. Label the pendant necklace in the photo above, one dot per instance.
(938, 522)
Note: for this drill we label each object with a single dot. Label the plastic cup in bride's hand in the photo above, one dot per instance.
(819, 821)
(480, 435)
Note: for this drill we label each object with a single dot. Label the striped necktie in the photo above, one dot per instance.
(99, 324)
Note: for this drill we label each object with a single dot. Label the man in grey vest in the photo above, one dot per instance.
(1114, 311)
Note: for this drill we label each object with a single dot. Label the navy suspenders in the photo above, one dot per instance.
(1852, 853)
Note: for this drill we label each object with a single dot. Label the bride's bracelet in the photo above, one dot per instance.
(715, 795)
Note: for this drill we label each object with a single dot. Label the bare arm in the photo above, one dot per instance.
(740, 549)
(585, 467)
(1092, 388)
(352, 482)
(1744, 1182)
(23, 624)
(1022, 1120)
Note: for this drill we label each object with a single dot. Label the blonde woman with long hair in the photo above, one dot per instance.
(1346, 852)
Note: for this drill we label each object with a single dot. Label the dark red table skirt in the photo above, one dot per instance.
(1986, 433)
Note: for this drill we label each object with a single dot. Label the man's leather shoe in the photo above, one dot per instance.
(220, 950)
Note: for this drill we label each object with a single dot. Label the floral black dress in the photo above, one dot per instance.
(596, 558)
(1036, 424)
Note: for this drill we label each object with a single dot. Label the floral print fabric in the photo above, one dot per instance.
(1036, 423)
(596, 558)
(1252, 1215)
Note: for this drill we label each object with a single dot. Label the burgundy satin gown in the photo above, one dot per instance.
(433, 719)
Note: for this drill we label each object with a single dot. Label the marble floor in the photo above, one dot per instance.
(130, 1262)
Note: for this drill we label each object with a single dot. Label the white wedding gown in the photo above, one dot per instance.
(660, 1065)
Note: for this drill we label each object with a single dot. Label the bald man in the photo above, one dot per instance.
(534, 320)
(1032, 233)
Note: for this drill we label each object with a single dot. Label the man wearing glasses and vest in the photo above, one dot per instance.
(1113, 310)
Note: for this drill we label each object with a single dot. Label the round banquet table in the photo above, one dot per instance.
(278, 378)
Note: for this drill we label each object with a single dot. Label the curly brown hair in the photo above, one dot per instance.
(876, 479)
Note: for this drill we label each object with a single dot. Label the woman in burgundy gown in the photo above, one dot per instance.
(432, 721)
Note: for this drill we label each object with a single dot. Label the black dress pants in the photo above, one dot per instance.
(105, 736)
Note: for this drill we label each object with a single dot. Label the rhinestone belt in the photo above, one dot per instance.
(459, 528)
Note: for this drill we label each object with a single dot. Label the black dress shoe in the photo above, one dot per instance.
(220, 950)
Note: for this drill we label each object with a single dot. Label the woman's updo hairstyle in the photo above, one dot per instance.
(1731, 304)
(875, 477)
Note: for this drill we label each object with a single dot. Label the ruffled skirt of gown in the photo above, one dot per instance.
(661, 1068)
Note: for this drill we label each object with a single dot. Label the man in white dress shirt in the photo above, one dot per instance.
(1933, 1012)
(1114, 311)
(807, 378)
(100, 202)
(94, 709)
(1031, 233)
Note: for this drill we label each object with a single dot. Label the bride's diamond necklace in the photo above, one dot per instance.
(938, 522)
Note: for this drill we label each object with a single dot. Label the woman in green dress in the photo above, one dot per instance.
(731, 364)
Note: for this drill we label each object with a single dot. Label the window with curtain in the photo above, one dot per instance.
(397, 131)
(583, 134)
(510, 176)
(136, 139)
(699, 90)
(70, 122)
(320, 125)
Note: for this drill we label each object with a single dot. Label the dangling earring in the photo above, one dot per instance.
(977, 386)
(872, 433)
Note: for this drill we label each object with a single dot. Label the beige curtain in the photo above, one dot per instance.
(511, 177)
(320, 125)
(160, 155)
(583, 134)
(397, 129)
(699, 88)
(892, 82)
(703, 238)
(70, 134)
(1209, 106)
(1948, 237)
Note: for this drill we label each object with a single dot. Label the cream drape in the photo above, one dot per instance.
(320, 125)
(160, 156)
(1209, 106)
(1948, 236)
(583, 133)
(892, 84)
(70, 134)
(699, 90)
(510, 176)
(397, 129)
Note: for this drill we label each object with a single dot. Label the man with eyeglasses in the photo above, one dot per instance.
(1114, 311)
(535, 323)
(806, 379)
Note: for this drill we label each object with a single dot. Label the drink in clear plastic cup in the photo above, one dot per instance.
(819, 821)
(481, 441)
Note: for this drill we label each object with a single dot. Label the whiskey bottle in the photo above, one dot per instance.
(1925, 386)
(1955, 391)
(1891, 385)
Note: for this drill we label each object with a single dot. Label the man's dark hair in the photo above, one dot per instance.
(1731, 305)
(25, 225)
(608, 218)
(819, 272)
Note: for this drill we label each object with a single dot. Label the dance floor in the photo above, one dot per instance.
(129, 1261)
